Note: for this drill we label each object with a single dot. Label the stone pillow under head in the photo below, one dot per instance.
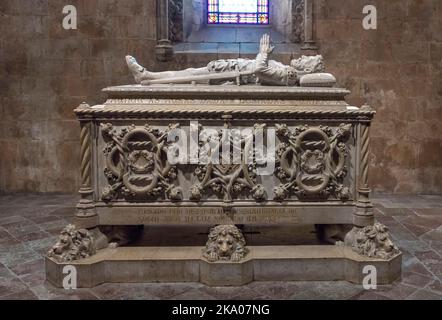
(317, 80)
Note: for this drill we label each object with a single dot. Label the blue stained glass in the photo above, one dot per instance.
(238, 11)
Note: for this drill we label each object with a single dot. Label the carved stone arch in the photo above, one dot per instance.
(181, 26)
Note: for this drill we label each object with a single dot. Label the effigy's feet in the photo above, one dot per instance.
(139, 72)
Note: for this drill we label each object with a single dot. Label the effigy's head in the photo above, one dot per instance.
(308, 64)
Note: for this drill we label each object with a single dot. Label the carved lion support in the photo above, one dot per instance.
(225, 243)
(77, 243)
(372, 241)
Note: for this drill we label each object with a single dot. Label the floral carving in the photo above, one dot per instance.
(136, 163)
(258, 192)
(311, 161)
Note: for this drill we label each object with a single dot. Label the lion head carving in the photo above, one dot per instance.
(72, 245)
(374, 241)
(226, 243)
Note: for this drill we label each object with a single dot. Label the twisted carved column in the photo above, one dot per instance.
(85, 207)
(364, 212)
(85, 136)
(365, 142)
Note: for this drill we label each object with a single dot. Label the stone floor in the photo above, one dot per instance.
(29, 225)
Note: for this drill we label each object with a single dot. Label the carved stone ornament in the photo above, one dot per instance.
(73, 245)
(374, 241)
(176, 20)
(136, 163)
(311, 162)
(225, 243)
(298, 14)
(227, 180)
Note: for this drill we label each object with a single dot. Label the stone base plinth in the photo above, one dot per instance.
(185, 264)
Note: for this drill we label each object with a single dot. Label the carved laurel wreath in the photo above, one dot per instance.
(311, 161)
(136, 163)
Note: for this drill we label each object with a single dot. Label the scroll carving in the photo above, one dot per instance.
(311, 162)
(136, 163)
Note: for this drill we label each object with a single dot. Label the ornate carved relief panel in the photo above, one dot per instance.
(228, 178)
(136, 164)
(311, 163)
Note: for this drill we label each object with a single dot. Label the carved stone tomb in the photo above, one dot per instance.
(319, 175)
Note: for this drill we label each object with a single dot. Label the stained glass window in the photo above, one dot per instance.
(238, 11)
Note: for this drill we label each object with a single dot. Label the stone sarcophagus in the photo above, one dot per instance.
(224, 155)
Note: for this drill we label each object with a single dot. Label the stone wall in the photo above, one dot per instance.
(47, 71)
(397, 70)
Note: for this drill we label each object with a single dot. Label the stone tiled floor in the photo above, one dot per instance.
(29, 225)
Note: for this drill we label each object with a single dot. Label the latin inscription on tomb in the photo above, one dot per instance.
(209, 215)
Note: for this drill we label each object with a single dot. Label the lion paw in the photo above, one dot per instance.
(235, 257)
(213, 257)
